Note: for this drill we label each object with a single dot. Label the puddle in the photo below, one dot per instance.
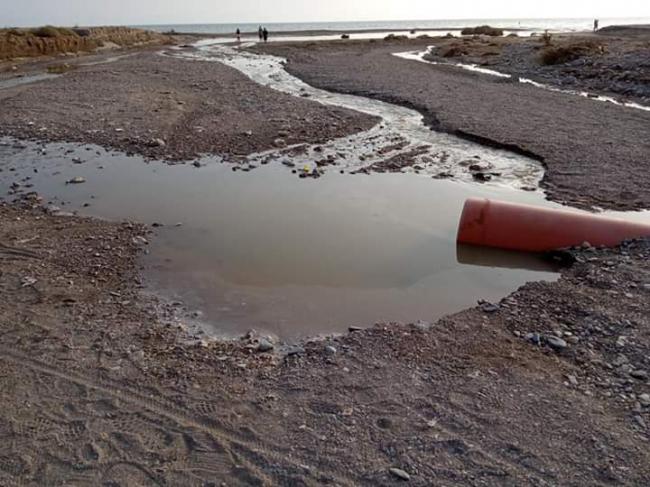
(24, 80)
(419, 56)
(269, 251)
(295, 257)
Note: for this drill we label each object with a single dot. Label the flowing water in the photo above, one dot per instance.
(262, 248)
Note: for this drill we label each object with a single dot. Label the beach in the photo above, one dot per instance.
(108, 382)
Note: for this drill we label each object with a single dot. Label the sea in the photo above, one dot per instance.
(529, 25)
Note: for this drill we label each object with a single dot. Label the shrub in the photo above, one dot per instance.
(50, 31)
(570, 52)
(485, 30)
(16, 32)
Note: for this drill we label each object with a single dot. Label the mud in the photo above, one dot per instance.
(167, 108)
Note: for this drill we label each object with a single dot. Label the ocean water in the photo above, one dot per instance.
(534, 25)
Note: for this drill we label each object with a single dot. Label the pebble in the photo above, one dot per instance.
(76, 180)
(196, 164)
(330, 350)
(556, 342)
(354, 328)
(644, 399)
(639, 374)
(572, 380)
(400, 474)
(423, 325)
(264, 346)
(639, 420)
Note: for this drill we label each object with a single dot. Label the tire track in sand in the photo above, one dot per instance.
(171, 411)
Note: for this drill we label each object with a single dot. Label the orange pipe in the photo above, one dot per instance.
(532, 229)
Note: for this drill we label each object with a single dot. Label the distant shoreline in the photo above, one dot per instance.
(330, 32)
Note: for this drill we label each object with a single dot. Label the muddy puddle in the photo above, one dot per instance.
(254, 246)
(267, 250)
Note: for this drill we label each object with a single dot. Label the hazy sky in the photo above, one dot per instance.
(91, 12)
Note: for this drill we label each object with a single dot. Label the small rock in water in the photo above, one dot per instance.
(76, 180)
(196, 164)
(354, 328)
(400, 474)
(555, 342)
(488, 307)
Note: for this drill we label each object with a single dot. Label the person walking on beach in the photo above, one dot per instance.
(595, 25)
(238, 35)
(265, 34)
(260, 33)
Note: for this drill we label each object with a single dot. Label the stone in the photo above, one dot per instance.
(330, 350)
(140, 240)
(573, 380)
(76, 180)
(639, 374)
(158, 143)
(354, 328)
(400, 474)
(644, 399)
(264, 345)
(534, 338)
(280, 143)
(423, 325)
(489, 307)
(555, 342)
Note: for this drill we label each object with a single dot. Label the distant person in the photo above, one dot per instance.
(238, 35)
(595, 25)
(260, 33)
(265, 35)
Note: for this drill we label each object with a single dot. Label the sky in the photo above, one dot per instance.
(149, 12)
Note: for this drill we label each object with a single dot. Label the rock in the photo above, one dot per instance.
(196, 164)
(400, 474)
(280, 143)
(345, 36)
(639, 374)
(644, 399)
(139, 240)
(533, 338)
(330, 350)
(77, 160)
(76, 180)
(157, 143)
(640, 421)
(481, 176)
(354, 328)
(296, 350)
(264, 345)
(555, 342)
(488, 307)
(573, 380)
(423, 325)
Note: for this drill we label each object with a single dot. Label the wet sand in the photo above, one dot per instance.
(168, 108)
(594, 152)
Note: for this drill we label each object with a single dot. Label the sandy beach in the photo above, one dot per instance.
(102, 385)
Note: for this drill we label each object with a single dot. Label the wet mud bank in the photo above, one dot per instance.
(166, 108)
(594, 152)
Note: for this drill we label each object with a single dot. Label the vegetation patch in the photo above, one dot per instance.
(482, 30)
(566, 53)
